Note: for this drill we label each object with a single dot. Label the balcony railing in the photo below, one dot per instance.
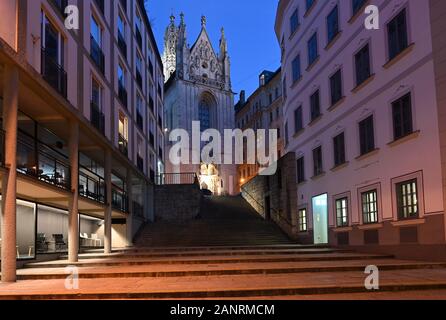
(41, 162)
(140, 163)
(53, 73)
(177, 178)
(138, 37)
(122, 44)
(97, 55)
(100, 4)
(97, 118)
(123, 145)
(140, 121)
(91, 185)
(122, 94)
(120, 199)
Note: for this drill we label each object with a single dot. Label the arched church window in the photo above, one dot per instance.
(204, 115)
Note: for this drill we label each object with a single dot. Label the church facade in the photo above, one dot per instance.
(198, 88)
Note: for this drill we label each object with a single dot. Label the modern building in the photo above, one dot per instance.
(262, 110)
(82, 119)
(364, 115)
(198, 88)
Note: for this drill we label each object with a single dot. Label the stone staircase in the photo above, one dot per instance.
(224, 221)
(244, 272)
(229, 253)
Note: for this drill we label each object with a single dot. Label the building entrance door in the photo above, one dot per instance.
(320, 219)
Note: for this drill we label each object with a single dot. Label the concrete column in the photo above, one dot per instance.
(108, 209)
(129, 220)
(73, 209)
(9, 183)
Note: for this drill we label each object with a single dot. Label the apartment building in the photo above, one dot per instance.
(364, 116)
(82, 119)
(262, 110)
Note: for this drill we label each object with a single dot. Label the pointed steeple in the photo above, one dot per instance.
(203, 22)
(223, 43)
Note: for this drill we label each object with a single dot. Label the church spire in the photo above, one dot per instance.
(203, 21)
(223, 43)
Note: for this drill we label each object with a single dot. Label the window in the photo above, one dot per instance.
(312, 49)
(309, 4)
(407, 199)
(204, 115)
(317, 161)
(402, 117)
(303, 220)
(96, 32)
(362, 63)
(336, 87)
(296, 69)
(52, 53)
(397, 34)
(301, 170)
(366, 135)
(315, 106)
(123, 126)
(342, 212)
(333, 24)
(294, 21)
(138, 70)
(96, 94)
(298, 121)
(96, 44)
(370, 206)
(357, 5)
(339, 149)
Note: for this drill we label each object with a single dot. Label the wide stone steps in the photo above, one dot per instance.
(225, 286)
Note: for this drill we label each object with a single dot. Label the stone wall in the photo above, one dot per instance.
(279, 192)
(177, 202)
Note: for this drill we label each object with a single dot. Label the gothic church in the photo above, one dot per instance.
(198, 88)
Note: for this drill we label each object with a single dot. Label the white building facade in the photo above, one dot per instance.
(361, 110)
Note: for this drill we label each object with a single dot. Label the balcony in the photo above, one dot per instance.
(97, 55)
(138, 38)
(139, 79)
(39, 161)
(140, 121)
(140, 163)
(60, 5)
(97, 117)
(122, 94)
(91, 185)
(100, 4)
(120, 199)
(53, 73)
(123, 145)
(122, 44)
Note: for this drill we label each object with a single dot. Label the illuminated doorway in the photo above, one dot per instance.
(320, 219)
